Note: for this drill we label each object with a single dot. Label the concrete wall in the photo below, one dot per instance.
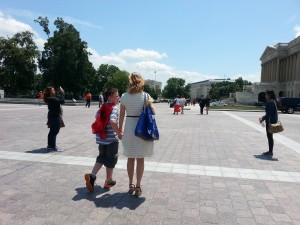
(245, 98)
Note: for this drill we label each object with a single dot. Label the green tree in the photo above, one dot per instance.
(118, 80)
(176, 86)
(223, 89)
(240, 83)
(147, 89)
(64, 61)
(17, 63)
(103, 74)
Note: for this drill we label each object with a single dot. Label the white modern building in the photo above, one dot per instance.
(201, 89)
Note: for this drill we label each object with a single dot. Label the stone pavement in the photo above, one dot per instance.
(206, 170)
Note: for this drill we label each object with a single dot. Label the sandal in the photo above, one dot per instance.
(131, 189)
(138, 192)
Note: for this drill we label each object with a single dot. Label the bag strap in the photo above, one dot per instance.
(145, 101)
(276, 110)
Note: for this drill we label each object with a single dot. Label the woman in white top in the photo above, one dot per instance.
(135, 148)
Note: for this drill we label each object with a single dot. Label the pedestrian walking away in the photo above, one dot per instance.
(88, 98)
(176, 105)
(40, 98)
(270, 117)
(55, 113)
(202, 104)
(207, 104)
(135, 148)
(107, 138)
(182, 102)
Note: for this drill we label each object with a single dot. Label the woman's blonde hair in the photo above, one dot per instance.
(136, 83)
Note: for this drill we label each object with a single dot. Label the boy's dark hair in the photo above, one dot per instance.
(109, 92)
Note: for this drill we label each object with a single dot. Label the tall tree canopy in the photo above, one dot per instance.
(64, 61)
(118, 80)
(17, 63)
(103, 74)
(176, 86)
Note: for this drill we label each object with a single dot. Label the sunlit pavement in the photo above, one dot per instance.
(207, 169)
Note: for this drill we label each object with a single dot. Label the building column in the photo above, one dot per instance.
(297, 69)
(274, 70)
(269, 71)
(277, 70)
(262, 73)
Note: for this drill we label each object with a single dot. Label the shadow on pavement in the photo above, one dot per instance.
(263, 157)
(118, 200)
(39, 151)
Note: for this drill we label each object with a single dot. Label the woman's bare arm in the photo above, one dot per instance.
(122, 116)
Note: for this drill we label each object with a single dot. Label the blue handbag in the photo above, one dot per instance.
(146, 127)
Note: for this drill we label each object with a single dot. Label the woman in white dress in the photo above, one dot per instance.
(135, 148)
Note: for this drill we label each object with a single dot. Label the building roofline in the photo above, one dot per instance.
(211, 80)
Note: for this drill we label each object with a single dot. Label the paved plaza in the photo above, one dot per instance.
(207, 169)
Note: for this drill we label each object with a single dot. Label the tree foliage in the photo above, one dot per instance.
(176, 86)
(152, 92)
(223, 89)
(118, 80)
(64, 61)
(103, 74)
(17, 63)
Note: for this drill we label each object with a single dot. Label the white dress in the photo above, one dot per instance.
(134, 147)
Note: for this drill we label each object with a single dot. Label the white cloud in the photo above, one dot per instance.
(152, 66)
(97, 59)
(297, 30)
(141, 54)
(75, 21)
(10, 26)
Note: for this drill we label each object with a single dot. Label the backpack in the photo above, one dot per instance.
(102, 118)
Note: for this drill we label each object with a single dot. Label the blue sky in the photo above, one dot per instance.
(192, 39)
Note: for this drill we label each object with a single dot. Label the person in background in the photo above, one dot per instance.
(54, 114)
(176, 105)
(135, 148)
(202, 105)
(101, 99)
(271, 116)
(182, 102)
(40, 97)
(88, 98)
(108, 141)
(207, 104)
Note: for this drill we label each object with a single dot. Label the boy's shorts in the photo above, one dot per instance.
(108, 154)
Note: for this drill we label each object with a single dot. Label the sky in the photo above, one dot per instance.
(191, 39)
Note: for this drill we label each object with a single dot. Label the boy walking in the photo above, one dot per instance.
(108, 140)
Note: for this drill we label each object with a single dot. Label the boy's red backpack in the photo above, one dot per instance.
(102, 118)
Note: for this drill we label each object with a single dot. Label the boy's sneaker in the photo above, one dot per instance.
(90, 181)
(109, 183)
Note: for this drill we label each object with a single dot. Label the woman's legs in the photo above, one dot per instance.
(130, 169)
(139, 171)
(54, 130)
(270, 140)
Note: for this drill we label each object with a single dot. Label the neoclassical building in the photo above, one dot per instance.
(280, 68)
(280, 71)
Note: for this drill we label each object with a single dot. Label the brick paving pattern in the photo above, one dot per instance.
(206, 170)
